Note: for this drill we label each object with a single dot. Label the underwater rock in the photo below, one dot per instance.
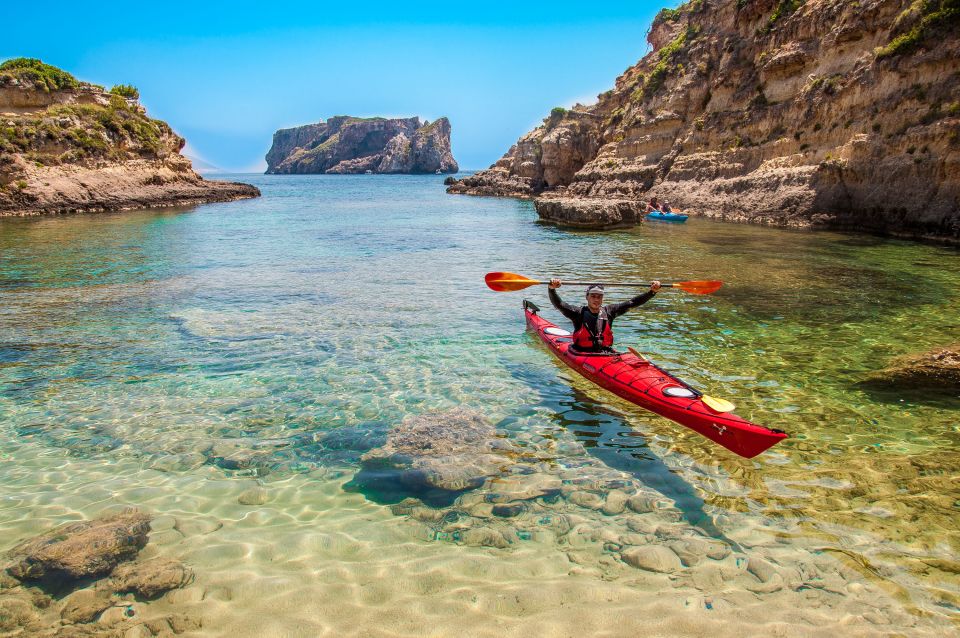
(151, 578)
(253, 496)
(693, 550)
(653, 558)
(85, 605)
(483, 537)
(760, 568)
(616, 502)
(642, 503)
(508, 511)
(453, 451)
(939, 368)
(16, 613)
(80, 550)
(524, 488)
(588, 500)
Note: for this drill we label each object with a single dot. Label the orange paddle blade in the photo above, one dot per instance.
(508, 281)
(698, 287)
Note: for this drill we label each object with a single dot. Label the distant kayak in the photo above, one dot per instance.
(635, 379)
(667, 217)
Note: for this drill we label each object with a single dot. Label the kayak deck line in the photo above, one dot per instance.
(635, 379)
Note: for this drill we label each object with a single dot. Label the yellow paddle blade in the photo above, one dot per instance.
(717, 405)
(636, 353)
(508, 281)
(698, 287)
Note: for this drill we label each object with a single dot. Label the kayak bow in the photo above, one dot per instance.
(639, 381)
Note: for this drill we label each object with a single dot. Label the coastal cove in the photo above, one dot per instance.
(228, 368)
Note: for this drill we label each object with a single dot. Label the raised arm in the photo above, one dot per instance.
(568, 311)
(617, 309)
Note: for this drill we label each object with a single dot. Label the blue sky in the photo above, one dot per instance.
(226, 76)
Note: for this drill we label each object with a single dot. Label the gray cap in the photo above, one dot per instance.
(594, 288)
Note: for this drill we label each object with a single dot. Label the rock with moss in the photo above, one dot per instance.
(81, 550)
(937, 368)
(150, 579)
(452, 451)
(345, 144)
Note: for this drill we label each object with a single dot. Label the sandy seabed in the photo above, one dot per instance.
(301, 556)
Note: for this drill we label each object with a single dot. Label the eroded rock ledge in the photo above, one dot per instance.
(816, 113)
(593, 214)
(68, 146)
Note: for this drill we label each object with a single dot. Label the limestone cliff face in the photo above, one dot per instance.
(792, 112)
(345, 144)
(69, 146)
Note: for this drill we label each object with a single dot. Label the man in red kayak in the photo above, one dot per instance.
(593, 323)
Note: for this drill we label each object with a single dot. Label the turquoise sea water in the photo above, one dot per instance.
(218, 345)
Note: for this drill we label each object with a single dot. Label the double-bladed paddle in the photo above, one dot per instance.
(509, 282)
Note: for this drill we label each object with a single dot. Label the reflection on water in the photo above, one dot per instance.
(277, 340)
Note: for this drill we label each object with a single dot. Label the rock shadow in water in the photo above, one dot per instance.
(892, 392)
(433, 457)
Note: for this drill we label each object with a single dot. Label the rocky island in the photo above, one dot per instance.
(346, 144)
(69, 146)
(801, 113)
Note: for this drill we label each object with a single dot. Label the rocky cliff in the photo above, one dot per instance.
(345, 144)
(792, 112)
(69, 146)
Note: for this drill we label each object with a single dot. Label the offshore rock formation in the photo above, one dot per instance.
(792, 112)
(68, 146)
(346, 144)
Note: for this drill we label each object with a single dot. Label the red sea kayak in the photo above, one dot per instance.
(635, 379)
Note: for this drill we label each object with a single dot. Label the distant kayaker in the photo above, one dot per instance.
(666, 207)
(653, 206)
(593, 323)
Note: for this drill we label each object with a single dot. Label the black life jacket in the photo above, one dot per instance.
(584, 339)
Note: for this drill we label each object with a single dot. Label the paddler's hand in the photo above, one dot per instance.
(654, 286)
(554, 284)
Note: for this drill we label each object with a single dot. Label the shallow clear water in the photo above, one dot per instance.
(173, 358)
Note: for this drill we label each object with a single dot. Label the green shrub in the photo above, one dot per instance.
(654, 82)
(935, 16)
(127, 91)
(784, 9)
(558, 112)
(34, 72)
(665, 15)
